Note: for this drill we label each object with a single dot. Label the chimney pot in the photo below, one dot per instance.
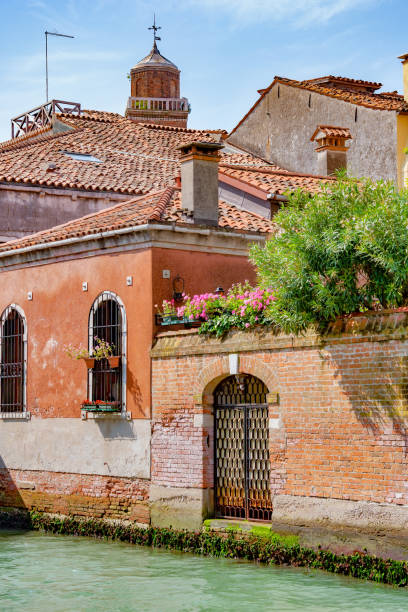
(331, 149)
(199, 180)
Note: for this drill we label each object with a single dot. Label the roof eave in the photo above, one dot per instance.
(137, 229)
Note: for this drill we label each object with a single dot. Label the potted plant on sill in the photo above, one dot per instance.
(102, 350)
(114, 361)
(100, 406)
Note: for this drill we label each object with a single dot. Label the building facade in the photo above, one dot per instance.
(280, 125)
(100, 277)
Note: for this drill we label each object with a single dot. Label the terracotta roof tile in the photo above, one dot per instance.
(345, 81)
(160, 206)
(135, 158)
(332, 132)
(275, 181)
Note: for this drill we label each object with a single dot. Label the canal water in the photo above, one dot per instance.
(50, 573)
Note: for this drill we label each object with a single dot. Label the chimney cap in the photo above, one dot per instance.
(331, 131)
(404, 57)
(199, 146)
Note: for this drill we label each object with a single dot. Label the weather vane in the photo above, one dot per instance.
(155, 28)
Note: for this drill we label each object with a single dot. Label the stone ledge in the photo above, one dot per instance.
(378, 326)
(367, 517)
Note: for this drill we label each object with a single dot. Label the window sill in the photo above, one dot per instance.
(15, 416)
(85, 415)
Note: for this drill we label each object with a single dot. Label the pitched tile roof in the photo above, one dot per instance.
(275, 181)
(164, 206)
(378, 101)
(135, 157)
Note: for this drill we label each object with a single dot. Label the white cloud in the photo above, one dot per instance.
(300, 13)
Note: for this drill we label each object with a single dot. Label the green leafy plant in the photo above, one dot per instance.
(343, 250)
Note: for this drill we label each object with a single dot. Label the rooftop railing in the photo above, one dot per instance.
(41, 116)
(158, 104)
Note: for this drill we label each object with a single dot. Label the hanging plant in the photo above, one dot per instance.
(102, 350)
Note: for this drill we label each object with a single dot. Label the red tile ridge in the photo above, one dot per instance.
(171, 128)
(41, 139)
(95, 115)
(331, 77)
(284, 173)
(19, 139)
(162, 204)
(391, 94)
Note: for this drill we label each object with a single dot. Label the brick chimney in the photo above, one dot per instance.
(331, 149)
(199, 180)
(404, 61)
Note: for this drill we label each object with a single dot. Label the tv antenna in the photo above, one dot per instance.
(46, 56)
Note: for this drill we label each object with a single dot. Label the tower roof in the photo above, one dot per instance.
(154, 60)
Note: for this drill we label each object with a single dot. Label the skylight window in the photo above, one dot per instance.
(82, 157)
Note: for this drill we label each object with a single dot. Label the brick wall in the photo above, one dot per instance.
(339, 429)
(151, 83)
(75, 494)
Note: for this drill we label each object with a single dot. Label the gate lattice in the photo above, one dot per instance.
(242, 464)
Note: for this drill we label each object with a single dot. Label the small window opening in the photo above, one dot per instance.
(355, 116)
(278, 91)
(12, 366)
(82, 157)
(310, 100)
(106, 323)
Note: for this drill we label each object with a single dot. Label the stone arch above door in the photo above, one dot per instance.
(219, 368)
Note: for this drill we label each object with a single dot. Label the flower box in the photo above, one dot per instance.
(89, 362)
(99, 406)
(175, 320)
(114, 361)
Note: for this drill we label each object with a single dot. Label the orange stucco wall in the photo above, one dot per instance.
(201, 272)
(58, 315)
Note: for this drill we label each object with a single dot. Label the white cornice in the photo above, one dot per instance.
(130, 239)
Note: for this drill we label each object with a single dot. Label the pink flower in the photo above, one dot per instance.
(246, 324)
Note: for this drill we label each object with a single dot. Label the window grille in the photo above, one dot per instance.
(107, 322)
(13, 359)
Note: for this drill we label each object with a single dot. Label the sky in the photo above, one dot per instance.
(225, 49)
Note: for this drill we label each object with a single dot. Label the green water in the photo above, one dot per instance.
(59, 573)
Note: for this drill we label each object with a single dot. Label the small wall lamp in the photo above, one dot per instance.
(219, 291)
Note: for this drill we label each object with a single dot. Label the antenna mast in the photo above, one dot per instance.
(46, 56)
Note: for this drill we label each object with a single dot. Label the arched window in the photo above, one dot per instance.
(13, 340)
(107, 321)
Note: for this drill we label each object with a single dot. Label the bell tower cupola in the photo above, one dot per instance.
(155, 90)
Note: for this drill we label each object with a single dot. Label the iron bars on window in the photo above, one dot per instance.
(13, 360)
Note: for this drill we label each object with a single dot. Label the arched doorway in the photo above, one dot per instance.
(242, 464)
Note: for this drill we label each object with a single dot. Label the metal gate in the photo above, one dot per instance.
(242, 464)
